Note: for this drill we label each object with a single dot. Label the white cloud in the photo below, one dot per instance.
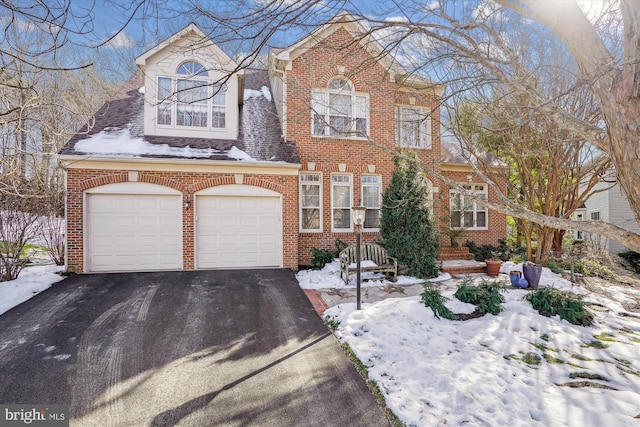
(120, 40)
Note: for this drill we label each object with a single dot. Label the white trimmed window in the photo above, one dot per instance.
(371, 187)
(191, 99)
(310, 202)
(413, 127)
(594, 215)
(341, 202)
(467, 212)
(339, 110)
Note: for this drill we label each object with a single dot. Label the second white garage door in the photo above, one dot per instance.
(238, 231)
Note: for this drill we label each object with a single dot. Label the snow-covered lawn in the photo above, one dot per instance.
(32, 281)
(436, 372)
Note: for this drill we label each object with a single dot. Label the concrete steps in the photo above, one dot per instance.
(448, 254)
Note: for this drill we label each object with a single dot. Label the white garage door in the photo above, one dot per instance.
(132, 232)
(238, 231)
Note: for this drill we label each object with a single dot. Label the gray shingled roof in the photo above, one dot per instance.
(260, 133)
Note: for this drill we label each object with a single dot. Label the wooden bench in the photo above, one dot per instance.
(368, 252)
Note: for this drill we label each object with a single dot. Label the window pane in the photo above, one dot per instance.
(372, 218)
(468, 219)
(339, 125)
(310, 177)
(311, 219)
(456, 219)
(481, 219)
(164, 89)
(339, 104)
(192, 91)
(370, 197)
(164, 113)
(341, 196)
(192, 68)
(342, 218)
(218, 117)
(220, 95)
(310, 196)
(340, 84)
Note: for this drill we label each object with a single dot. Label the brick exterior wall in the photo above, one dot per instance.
(188, 183)
(497, 222)
(313, 70)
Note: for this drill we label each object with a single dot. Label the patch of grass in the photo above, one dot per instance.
(432, 298)
(485, 296)
(552, 359)
(332, 323)
(605, 337)
(587, 375)
(543, 347)
(596, 344)
(373, 386)
(531, 359)
(544, 337)
(511, 357)
(551, 301)
(623, 361)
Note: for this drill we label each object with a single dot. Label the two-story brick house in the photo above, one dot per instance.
(196, 163)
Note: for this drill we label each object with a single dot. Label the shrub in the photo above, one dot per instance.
(406, 226)
(550, 302)
(633, 258)
(502, 251)
(433, 299)
(321, 257)
(586, 267)
(486, 296)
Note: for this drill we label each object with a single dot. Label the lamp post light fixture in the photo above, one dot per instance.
(358, 219)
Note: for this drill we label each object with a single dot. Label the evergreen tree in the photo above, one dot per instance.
(406, 223)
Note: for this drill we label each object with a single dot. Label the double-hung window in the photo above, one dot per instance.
(339, 110)
(341, 202)
(413, 127)
(467, 212)
(371, 186)
(191, 99)
(310, 202)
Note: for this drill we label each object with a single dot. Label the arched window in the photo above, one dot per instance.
(339, 111)
(191, 99)
(192, 68)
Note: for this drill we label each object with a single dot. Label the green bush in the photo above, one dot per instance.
(406, 226)
(586, 267)
(550, 302)
(485, 296)
(320, 257)
(633, 258)
(502, 251)
(433, 299)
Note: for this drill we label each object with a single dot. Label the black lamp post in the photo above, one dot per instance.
(358, 220)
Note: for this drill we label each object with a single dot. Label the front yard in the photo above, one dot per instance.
(518, 368)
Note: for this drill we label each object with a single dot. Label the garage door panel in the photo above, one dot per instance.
(240, 231)
(127, 232)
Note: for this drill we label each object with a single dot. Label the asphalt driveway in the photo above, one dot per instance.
(208, 348)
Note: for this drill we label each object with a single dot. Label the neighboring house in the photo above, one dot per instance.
(609, 205)
(197, 164)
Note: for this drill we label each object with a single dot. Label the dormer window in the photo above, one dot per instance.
(339, 111)
(190, 99)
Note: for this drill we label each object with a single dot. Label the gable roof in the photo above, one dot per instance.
(117, 130)
(355, 27)
(188, 31)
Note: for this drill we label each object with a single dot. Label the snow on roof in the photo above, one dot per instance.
(119, 142)
(251, 93)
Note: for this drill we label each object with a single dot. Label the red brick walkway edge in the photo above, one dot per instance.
(316, 300)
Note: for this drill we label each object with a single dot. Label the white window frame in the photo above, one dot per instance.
(591, 215)
(335, 184)
(317, 183)
(472, 206)
(406, 116)
(321, 111)
(216, 94)
(378, 186)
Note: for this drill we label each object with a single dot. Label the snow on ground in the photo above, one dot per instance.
(436, 372)
(30, 282)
